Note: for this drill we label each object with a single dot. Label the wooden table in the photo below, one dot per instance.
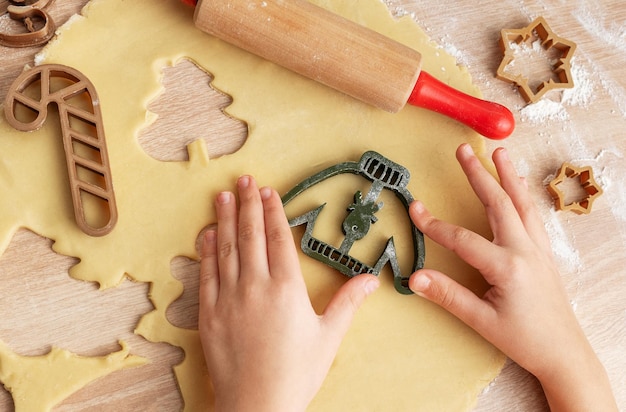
(584, 126)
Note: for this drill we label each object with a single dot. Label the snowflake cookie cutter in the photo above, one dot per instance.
(587, 182)
(561, 68)
(82, 128)
(384, 174)
(27, 11)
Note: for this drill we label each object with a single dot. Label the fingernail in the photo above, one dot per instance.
(266, 193)
(418, 206)
(223, 198)
(505, 153)
(210, 236)
(467, 149)
(370, 286)
(243, 181)
(420, 283)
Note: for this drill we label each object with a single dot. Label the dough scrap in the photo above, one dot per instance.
(37, 383)
(402, 353)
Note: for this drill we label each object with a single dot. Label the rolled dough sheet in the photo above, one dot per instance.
(402, 353)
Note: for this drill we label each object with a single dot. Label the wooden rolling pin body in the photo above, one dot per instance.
(317, 44)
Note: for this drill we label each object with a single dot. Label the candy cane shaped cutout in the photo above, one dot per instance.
(83, 137)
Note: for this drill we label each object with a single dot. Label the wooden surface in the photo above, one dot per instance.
(42, 306)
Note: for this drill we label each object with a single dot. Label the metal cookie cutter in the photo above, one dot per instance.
(561, 69)
(83, 135)
(384, 174)
(27, 11)
(587, 182)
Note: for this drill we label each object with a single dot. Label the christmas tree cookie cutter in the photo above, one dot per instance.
(83, 136)
(561, 68)
(587, 182)
(26, 11)
(384, 174)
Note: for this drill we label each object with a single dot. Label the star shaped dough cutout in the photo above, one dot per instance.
(296, 128)
(539, 29)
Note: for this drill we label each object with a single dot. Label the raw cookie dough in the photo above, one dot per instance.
(402, 353)
(39, 382)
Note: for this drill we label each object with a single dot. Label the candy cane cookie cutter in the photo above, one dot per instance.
(587, 182)
(21, 10)
(561, 67)
(83, 136)
(384, 175)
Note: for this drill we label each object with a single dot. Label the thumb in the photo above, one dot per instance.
(347, 300)
(450, 295)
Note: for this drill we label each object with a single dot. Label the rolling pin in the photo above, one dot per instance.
(345, 56)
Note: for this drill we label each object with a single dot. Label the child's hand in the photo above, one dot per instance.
(265, 347)
(526, 312)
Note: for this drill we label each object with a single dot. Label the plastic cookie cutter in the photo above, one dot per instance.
(83, 137)
(27, 12)
(587, 182)
(563, 50)
(384, 174)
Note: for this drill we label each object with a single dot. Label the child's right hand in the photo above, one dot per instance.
(526, 312)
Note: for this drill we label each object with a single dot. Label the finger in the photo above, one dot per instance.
(209, 274)
(517, 189)
(251, 241)
(455, 298)
(503, 219)
(281, 250)
(344, 304)
(227, 252)
(469, 246)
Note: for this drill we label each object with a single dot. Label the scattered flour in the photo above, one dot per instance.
(617, 93)
(565, 253)
(543, 110)
(533, 61)
(580, 95)
(453, 51)
(583, 91)
(608, 165)
(7, 25)
(613, 35)
(397, 11)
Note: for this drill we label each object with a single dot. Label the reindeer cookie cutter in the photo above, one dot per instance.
(83, 136)
(587, 182)
(561, 68)
(26, 11)
(384, 174)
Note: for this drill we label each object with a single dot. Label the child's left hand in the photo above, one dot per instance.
(265, 347)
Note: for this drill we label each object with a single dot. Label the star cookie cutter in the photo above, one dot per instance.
(587, 182)
(26, 109)
(561, 68)
(384, 174)
(27, 11)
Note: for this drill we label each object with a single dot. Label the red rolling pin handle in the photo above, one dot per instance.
(487, 118)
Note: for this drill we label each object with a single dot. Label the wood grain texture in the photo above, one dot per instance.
(344, 55)
(585, 127)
